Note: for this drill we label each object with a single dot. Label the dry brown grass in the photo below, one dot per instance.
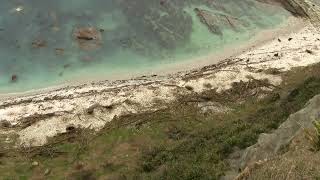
(300, 161)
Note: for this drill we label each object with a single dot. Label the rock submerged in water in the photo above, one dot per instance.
(88, 38)
(14, 78)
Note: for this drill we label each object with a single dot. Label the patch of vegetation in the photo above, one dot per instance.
(179, 142)
(313, 135)
(317, 128)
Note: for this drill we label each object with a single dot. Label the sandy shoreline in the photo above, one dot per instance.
(176, 69)
(34, 118)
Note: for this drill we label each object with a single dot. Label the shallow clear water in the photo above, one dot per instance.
(39, 46)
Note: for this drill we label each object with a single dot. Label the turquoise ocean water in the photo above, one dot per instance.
(38, 47)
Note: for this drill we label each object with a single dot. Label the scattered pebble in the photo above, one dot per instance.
(5, 124)
(70, 128)
(190, 88)
(309, 51)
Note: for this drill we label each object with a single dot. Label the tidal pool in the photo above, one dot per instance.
(44, 43)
